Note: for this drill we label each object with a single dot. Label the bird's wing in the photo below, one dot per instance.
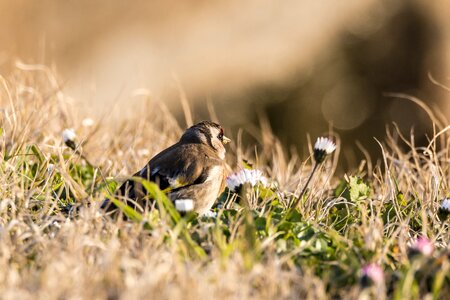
(179, 166)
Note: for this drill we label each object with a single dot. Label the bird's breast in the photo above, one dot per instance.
(215, 177)
(211, 189)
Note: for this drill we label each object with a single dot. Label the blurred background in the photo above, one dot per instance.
(306, 66)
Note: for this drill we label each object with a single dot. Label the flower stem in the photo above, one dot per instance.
(296, 201)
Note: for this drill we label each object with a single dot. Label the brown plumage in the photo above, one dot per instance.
(193, 168)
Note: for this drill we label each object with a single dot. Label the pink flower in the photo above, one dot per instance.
(423, 246)
(372, 273)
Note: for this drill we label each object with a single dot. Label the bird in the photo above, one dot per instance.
(193, 168)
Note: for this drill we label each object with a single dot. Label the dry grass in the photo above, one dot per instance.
(245, 253)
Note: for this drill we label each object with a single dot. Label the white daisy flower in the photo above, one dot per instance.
(87, 122)
(68, 135)
(322, 148)
(210, 214)
(444, 209)
(50, 168)
(445, 205)
(252, 177)
(184, 205)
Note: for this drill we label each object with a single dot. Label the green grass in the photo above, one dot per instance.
(254, 248)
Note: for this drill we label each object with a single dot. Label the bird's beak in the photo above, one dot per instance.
(225, 140)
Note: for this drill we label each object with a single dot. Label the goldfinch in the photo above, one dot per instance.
(193, 168)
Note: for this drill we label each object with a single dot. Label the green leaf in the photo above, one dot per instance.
(358, 189)
(294, 216)
(266, 193)
(353, 189)
(127, 210)
(401, 199)
(164, 203)
(37, 152)
(260, 223)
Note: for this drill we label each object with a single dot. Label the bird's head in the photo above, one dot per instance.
(208, 133)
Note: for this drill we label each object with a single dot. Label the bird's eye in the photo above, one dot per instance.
(220, 136)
